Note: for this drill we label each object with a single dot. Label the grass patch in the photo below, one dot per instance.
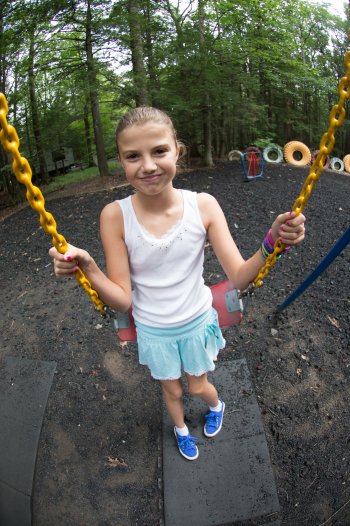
(77, 176)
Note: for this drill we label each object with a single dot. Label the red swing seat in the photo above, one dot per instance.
(225, 301)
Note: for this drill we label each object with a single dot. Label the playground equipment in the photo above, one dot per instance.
(314, 155)
(22, 170)
(226, 302)
(273, 153)
(346, 161)
(234, 155)
(297, 153)
(253, 164)
(339, 246)
(336, 164)
(23, 173)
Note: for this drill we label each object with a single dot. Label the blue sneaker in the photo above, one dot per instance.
(187, 446)
(213, 422)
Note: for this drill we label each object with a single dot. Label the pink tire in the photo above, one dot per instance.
(314, 155)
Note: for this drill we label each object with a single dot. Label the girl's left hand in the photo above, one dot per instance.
(289, 228)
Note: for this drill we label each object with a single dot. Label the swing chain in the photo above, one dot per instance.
(248, 292)
(336, 119)
(21, 169)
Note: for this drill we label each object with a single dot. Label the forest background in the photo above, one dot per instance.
(230, 74)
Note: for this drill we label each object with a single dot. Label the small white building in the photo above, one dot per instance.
(57, 161)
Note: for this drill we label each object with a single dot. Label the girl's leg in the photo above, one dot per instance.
(200, 386)
(172, 394)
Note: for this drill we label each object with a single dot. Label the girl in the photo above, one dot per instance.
(154, 247)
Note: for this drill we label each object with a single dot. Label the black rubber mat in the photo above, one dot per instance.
(24, 389)
(232, 480)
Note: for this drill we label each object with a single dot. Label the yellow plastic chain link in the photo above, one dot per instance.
(21, 169)
(336, 119)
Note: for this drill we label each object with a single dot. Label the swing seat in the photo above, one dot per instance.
(124, 324)
(225, 301)
(227, 304)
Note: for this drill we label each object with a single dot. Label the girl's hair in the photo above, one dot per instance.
(143, 114)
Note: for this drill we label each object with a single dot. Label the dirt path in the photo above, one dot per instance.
(98, 461)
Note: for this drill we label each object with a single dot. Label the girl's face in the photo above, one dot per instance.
(148, 153)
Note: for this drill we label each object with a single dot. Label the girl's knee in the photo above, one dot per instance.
(195, 390)
(197, 385)
(172, 389)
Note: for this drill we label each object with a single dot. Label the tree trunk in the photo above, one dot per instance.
(207, 124)
(35, 112)
(206, 107)
(222, 138)
(139, 72)
(2, 48)
(95, 109)
(3, 157)
(89, 155)
(154, 87)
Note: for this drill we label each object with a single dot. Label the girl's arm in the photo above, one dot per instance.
(287, 227)
(114, 288)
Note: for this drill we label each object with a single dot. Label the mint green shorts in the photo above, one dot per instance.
(191, 348)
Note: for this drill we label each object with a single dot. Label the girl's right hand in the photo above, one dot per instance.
(66, 264)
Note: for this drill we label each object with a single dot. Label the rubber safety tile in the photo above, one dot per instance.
(24, 390)
(232, 481)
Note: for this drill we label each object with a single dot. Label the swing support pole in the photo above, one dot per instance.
(324, 264)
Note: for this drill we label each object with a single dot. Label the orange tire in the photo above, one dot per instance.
(346, 162)
(297, 153)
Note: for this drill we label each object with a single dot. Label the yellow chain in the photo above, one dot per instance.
(336, 119)
(21, 169)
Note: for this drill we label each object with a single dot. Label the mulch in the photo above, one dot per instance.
(99, 458)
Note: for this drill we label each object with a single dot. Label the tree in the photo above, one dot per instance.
(206, 107)
(137, 56)
(95, 110)
(34, 106)
(230, 74)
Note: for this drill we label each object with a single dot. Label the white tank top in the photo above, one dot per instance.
(167, 273)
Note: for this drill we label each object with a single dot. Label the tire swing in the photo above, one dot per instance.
(234, 155)
(297, 153)
(327, 161)
(346, 161)
(273, 154)
(336, 164)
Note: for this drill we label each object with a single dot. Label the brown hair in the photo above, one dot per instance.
(143, 114)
